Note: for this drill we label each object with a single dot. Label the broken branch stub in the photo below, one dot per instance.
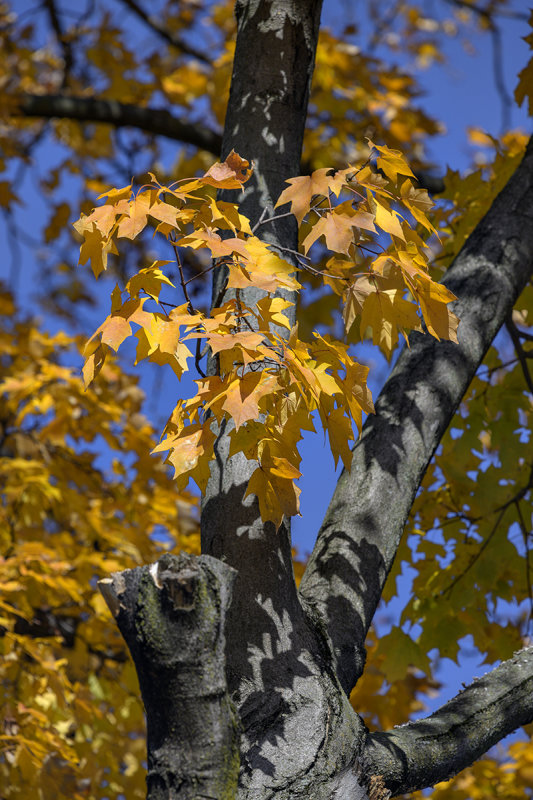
(171, 615)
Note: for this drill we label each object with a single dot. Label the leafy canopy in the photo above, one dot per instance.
(269, 381)
(70, 711)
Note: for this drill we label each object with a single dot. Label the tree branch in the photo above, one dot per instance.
(172, 38)
(172, 616)
(157, 121)
(519, 350)
(63, 41)
(421, 753)
(363, 526)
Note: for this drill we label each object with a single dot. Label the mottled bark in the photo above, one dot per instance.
(172, 617)
(434, 749)
(273, 66)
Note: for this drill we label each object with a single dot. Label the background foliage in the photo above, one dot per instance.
(81, 496)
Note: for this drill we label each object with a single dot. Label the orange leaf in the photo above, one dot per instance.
(230, 174)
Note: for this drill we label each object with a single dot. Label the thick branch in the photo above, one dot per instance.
(361, 532)
(172, 616)
(434, 749)
(157, 121)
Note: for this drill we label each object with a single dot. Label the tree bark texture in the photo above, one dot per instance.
(292, 658)
(172, 617)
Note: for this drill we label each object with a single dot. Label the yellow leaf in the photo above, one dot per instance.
(244, 394)
(149, 280)
(387, 220)
(136, 217)
(340, 434)
(434, 298)
(114, 195)
(391, 162)
(301, 191)
(96, 248)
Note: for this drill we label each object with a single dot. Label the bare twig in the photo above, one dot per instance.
(172, 38)
(270, 219)
(198, 355)
(502, 509)
(522, 356)
(482, 12)
(477, 555)
(499, 80)
(63, 41)
(526, 534)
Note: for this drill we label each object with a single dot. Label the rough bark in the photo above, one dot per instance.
(434, 749)
(300, 736)
(363, 525)
(292, 658)
(172, 617)
(265, 122)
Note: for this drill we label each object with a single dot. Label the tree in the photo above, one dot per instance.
(241, 673)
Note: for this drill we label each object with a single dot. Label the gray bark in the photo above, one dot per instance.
(278, 659)
(291, 658)
(274, 59)
(429, 750)
(172, 616)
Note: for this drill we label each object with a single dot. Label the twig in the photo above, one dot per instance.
(525, 534)
(477, 555)
(523, 334)
(499, 80)
(502, 509)
(198, 357)
(190, 306)
(172, 38)
(200, 274)
(482, 12)
(64, 43)
(270, 219)
(515, 337)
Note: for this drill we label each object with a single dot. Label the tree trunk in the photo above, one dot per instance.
(292, 658)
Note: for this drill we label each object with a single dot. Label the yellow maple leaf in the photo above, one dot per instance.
(149, 280)
(301, 190)
(391, 162)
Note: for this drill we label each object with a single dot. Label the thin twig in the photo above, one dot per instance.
(270, 219)
(523, 334)
(477, 555)
(172, 38)
(520, 494)
(499, 80)
(198, 357)
(63, 41)
(526, 535)
(482, 12)
(515, 337)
